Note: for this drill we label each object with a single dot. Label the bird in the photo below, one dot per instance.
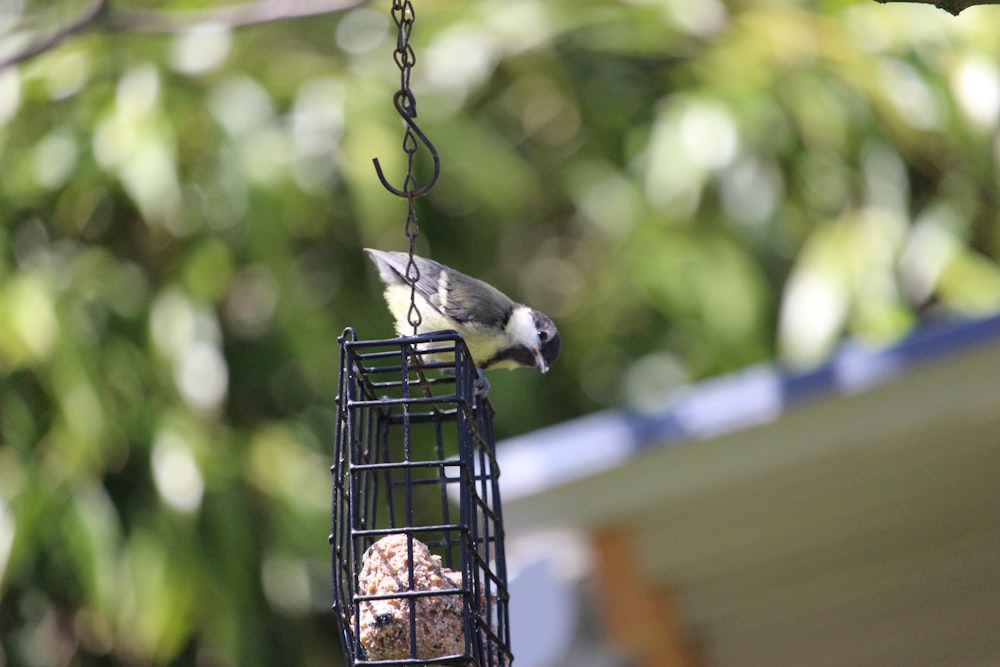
(499, 332)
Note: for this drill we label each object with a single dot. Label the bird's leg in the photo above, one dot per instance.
(482, 384)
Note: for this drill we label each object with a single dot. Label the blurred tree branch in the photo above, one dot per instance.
(86, 18)
(953, 7)
(103, 14)
(233, 16)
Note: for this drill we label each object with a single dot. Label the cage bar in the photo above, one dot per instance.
(419, 573)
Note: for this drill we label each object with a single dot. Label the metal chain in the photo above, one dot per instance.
(406, 106)
(403, 15)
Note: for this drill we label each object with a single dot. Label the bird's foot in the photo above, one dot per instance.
(482, 384)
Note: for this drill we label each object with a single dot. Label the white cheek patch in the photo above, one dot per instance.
(521, 328)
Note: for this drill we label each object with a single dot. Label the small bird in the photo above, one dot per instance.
(498, 332)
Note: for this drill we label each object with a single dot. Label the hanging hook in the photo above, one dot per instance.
(408, 113)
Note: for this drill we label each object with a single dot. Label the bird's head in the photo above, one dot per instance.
(532, 340)
(548, 341)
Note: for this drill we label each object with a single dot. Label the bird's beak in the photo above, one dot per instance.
(540, 360)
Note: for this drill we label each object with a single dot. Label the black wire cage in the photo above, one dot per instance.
(419, 574)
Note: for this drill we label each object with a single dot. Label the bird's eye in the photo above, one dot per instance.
(543, 335)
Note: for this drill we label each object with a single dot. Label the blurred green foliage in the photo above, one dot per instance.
(686, 188)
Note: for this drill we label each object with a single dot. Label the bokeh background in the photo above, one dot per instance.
(685, 187)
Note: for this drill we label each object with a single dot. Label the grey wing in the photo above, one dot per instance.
(471, 300)
(460, 297)
(392, 271)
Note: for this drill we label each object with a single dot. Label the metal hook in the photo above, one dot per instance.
(407, 115)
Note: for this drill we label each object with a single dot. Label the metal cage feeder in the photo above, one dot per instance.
(419, 573)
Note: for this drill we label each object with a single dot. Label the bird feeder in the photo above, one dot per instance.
(419, 574)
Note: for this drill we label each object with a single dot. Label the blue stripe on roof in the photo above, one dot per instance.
(749, 397)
